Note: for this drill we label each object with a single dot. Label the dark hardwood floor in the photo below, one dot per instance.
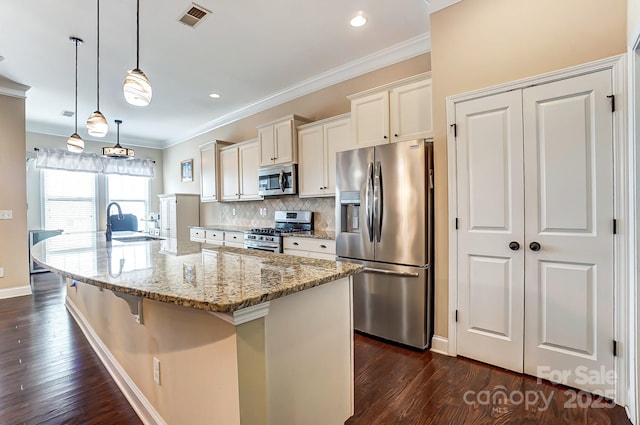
(50, 375)
(395, 385)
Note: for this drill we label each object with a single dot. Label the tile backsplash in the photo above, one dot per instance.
(247, 213)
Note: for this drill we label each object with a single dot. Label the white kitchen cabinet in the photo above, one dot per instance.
(322, 249)
(197, 234)
(393, 113)
(178, 212)
(318, 143)
(209, 166)
(234, 239)
(239, 171)
(278, 142)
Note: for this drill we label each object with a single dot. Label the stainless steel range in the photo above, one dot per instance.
(270, 238)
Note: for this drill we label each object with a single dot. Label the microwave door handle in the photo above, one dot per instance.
(282, 180)
(368, 201)
(379, 200)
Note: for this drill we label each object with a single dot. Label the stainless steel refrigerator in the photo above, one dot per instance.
(384, 220)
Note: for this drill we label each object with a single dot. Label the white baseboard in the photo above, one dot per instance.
(440, 345)
(17, 291)
(145, 410)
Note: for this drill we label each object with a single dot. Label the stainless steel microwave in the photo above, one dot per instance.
(278, 180)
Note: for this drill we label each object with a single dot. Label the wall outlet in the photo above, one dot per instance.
(263, 212)
(6, 214)
(233, 212)
(156, 370)
(1, 271)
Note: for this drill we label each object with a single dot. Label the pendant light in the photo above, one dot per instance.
(118, 151)
(75, 143)
(137, 88)
(97, 124)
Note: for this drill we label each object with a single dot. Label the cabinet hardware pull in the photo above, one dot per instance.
(295, 243)
(323, 246)
(385, 137)
(513, 245)
(395, 135)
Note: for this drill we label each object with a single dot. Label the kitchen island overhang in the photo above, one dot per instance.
(283, 352)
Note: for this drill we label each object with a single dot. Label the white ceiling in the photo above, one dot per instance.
(254, 53)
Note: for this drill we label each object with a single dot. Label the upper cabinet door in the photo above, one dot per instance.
(208, 178)
(311, 171)
(284, 149)
(266, 145)
(411, 113)
(229, 174)
(248, 172)
(337, 138)
(370, 116)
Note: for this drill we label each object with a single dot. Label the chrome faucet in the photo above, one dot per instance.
(120, 217)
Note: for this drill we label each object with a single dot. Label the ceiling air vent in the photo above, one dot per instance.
(194, 15)
(66, 113)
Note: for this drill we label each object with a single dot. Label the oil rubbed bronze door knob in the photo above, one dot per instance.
(514, 246)
(534, 246)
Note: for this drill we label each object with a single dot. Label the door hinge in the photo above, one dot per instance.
(456, 316)
(456, 223)
(615, 348)
(455, 129)
(613, 102)
(615, 226)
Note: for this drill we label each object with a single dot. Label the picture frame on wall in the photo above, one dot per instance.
(186, 170)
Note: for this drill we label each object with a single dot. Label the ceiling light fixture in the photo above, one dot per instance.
(97, 123)
(358, 20)
(137, 87)
(75, 143)
(215, 95)
(118, 151)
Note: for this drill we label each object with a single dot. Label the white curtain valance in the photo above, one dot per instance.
(59, 159)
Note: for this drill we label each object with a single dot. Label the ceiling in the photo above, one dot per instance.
(255, 54)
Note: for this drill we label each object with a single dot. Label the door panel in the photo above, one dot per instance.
(568, 139)
(490, 204)
(353, 239)
(403, 206)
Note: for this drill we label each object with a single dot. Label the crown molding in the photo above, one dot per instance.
(11, 88)
(398, 52)
(59, 131)
(435, 5)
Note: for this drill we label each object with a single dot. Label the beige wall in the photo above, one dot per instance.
(48, 141)
(480, 43)
(315, 106)
(14, 250)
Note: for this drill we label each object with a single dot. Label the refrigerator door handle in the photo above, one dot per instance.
(368, 201)
(379, 201)
(390, 272)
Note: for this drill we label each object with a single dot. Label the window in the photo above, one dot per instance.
(69, 201)
(131, 193)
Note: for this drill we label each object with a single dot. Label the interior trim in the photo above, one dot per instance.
(17, 291)
(440, 344)
(436, 5)
(142, 406)
(11, 88)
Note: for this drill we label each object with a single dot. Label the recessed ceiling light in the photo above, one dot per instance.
(215, 95)
(358, 20)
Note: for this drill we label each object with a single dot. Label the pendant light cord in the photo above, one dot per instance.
(98, 61)
(138, 34)
(76, 113)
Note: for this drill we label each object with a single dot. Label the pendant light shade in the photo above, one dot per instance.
(118, 151)
(137, 88)
(75, 143)
(97, 123)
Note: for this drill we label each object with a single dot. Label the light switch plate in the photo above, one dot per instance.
(1, 271)
(6, 214)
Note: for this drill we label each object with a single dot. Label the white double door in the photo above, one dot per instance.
(535, 231)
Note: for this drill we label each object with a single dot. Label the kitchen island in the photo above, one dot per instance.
(238, 337)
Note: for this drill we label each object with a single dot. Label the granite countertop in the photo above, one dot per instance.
(226, 279)
(225, 227)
